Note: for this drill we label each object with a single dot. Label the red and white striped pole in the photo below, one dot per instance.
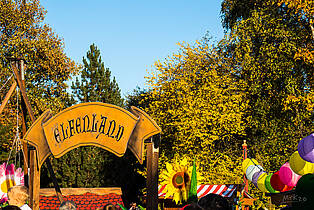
(246, 182)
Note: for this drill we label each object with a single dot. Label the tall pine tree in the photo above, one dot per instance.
(95, 83)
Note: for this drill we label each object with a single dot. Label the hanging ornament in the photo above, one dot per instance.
(287, 176)
(268, 185)
(277, 184)
(248, 162)
(251, 170)
(261, 182)
(255, 177)
(304, 192)
(306, 148)
(300, 166)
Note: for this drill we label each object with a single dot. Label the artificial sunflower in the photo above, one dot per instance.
(177, 178)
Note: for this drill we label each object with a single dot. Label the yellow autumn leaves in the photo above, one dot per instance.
(197, 104)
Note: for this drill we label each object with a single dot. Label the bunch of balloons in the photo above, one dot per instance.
(300, 163)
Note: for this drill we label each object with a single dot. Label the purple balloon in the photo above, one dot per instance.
(306, 148)
(256, 176)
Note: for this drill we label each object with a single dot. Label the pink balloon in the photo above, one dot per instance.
(287, 176)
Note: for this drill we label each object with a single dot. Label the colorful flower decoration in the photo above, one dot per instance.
(177, 178)
(9, 177)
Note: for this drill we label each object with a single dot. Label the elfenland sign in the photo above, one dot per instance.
(91, 124)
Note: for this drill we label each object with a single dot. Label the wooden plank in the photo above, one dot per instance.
(24, 130)
(149, 176)
(152, 177)
(80, 191)
(23, 91)
(7, 96)
(35, 181)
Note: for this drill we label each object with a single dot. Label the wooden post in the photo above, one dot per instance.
(34, 182)
(7, 96)
(34, 186)
(24, 127)
(152, 173)
(23, 91)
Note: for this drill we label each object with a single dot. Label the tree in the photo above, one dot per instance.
(263, 48)
(138, 98)
(23, 35)
(305, 13)
(96, 84)
(200, 110)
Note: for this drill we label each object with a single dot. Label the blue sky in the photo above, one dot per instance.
(131, 34)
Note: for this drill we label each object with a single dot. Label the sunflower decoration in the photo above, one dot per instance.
(177, 178)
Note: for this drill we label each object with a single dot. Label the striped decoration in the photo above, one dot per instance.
(204, 189)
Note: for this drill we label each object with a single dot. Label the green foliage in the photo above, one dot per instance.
(138, 98)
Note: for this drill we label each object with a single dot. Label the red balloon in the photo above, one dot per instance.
(277, 184)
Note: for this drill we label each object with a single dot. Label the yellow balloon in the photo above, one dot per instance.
(261, 182)
(248, 162)
(300, 166)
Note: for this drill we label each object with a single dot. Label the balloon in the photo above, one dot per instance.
(251, 170)
(247, 162)
(300, 166)
(306, 148)
(256, 176)
(287, 176)
(277, 184)
(261, 182)
(268, 185)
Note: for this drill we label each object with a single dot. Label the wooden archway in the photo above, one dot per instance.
(93, 124)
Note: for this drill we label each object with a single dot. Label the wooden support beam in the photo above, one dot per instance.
(7, 96)
(54, 180)
(34, 187)
(152, 173)
(24, 127)
(23, 91)
(34, 182)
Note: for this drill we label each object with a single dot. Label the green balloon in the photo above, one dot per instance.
(268, 185)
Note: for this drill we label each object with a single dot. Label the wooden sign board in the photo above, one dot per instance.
(91, 124)
(102, 125)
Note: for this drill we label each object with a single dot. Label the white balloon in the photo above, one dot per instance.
(251, 170)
